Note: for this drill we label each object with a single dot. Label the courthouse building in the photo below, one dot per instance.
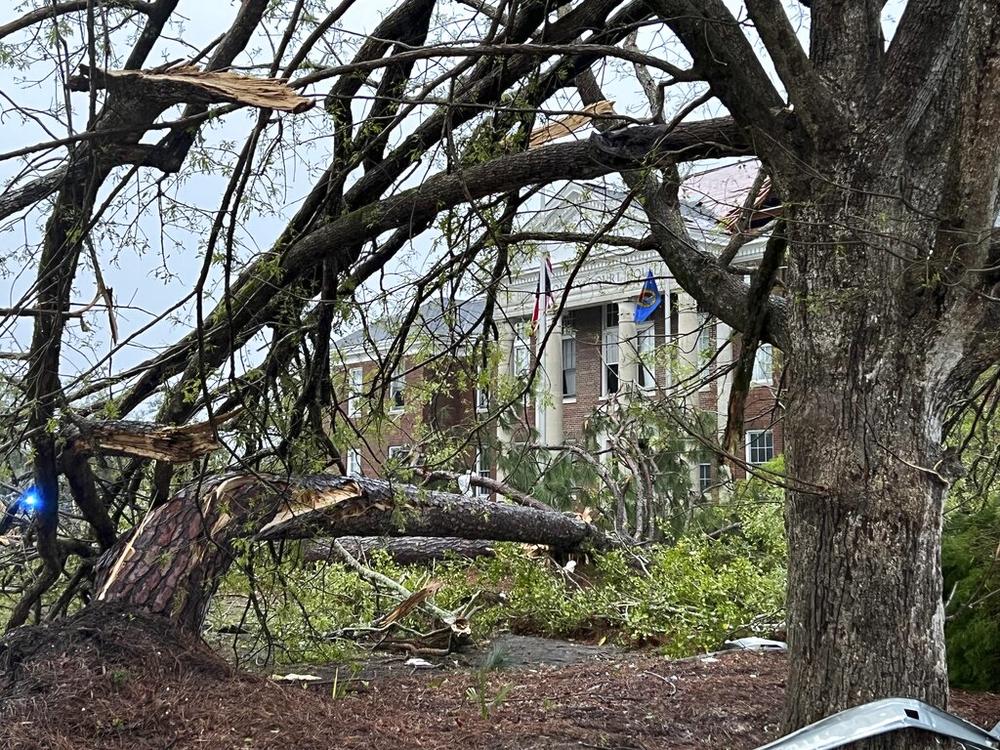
(596, 348)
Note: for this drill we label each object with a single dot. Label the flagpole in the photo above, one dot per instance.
(540, 333)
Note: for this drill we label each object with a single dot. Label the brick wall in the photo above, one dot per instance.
(588, 323)
(451, 410)
(761, 412)
(445, 410)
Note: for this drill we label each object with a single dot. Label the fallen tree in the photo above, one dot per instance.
(402, 550)
(172, 562)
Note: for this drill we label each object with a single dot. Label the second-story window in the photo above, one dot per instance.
(354, 387)
(609, 351)
(706, 335)
(482, 399)
(569, 365)
(610, 354)
(521, 360)
(760, 446)
(397, 392)
(763, 364)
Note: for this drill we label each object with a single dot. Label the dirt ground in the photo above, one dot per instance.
(112, 679)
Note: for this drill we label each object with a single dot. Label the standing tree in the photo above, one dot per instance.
(886, 157)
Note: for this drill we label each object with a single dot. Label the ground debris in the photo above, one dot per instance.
(110, 678)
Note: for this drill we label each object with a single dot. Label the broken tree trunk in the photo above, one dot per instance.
(187, 84)
(405, 550)
(169, 443)
(172, 562)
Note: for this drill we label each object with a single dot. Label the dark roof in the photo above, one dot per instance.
(445, 322)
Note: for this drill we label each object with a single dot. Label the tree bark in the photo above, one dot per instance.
(170, 443)
(868, 385)
(172, 562)
(406, 550)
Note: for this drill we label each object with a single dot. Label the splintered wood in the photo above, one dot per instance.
(309, 500)
(187, 83)
(570, 123)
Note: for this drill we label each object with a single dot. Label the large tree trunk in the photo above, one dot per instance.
(892, 317)
(172, 562)
(869, 377)
(864, 585)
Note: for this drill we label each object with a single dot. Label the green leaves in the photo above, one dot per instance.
(691, 598)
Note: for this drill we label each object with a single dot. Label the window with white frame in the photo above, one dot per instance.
(706, 333)
(354, 386)
(760, 446)
(763, 364)
(609, 351)
(482, 399)
(704, 476)
(397, 392)
(482, 469)
(521, 360)
(399, 454)
(609, 379)
(646, 346)
(353, 462)
(569, 365)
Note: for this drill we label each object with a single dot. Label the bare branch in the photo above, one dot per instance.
(187, 84)
(60, 9)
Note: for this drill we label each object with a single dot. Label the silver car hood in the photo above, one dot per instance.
(880, 717)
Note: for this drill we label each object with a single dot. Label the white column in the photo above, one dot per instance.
(689, 355)
(550, 385)
(688, 330)
(628, 347)
(505, 342)
(724, 384)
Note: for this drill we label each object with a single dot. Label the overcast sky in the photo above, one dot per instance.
(152, 268)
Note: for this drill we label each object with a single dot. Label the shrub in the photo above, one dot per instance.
(688, 598)
(969, 560)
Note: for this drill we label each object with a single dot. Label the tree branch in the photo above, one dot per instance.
(724, 57)
(699, 273)
(255, 295)
(60, 9)
(814, 103)
(173, 444)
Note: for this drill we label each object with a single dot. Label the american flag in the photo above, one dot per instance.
(544, 299)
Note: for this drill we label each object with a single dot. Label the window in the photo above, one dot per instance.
(760, 446)
(646, 367)
(482, 399)
(763, 364)
(521, 361)
(609, 380)
(482, 469)
(706, 332)
(569, 365)
(354, 385)
(397, 392)
(609, 351)
(353, 462)
(674, 315)
(704, 477)
(399, 454)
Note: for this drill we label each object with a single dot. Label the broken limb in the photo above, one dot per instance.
(172, 562)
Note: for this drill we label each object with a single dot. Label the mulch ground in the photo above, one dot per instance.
(111, 679)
